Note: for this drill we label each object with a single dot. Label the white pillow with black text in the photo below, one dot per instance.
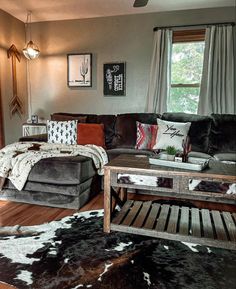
(171, 134)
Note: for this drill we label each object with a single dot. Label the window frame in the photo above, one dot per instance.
(186, 36)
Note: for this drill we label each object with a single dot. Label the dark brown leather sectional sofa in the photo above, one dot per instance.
(69, 182)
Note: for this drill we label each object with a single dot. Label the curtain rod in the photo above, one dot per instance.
(205, 24)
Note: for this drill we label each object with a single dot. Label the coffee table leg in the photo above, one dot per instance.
(107, 201)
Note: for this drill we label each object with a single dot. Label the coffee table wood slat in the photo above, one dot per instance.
(207, 224)
(184, 221)
(195, 224)
(173, 221)
(149, 224)
(219, 226)
(130, 217)
(143, 214)
(229, 222)
(123, 212)
(162, 219)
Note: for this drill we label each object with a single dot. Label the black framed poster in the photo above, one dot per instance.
(114, 79)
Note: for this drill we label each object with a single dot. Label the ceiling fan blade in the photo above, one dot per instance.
(140, 3)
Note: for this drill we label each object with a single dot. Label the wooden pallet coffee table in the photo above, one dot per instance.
(202, 226)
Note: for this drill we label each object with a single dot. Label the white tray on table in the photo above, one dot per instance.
(195, 164)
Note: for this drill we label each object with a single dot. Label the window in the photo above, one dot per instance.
(186, 70)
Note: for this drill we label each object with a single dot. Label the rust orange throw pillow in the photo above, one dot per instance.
(91, 133)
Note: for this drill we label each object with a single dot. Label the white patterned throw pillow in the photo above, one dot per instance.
(63, 132)
(171, 134)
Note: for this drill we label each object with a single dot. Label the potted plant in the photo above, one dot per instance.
(171, 152)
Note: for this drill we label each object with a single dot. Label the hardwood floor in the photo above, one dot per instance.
(12, 213)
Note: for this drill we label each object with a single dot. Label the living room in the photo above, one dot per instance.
(108, 32)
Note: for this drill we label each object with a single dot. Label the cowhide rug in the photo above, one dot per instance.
(75, 253)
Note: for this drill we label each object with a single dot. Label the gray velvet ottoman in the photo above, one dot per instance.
(64, 182)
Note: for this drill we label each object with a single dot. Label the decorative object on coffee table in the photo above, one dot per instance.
(187, 147)
(79, 70)
(171, 152)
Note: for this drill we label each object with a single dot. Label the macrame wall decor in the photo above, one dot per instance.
(16, 105)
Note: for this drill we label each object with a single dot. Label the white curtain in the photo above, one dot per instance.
(160, 73)
(217, 93)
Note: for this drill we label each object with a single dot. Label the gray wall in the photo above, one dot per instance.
(12, 32)
(121, 38)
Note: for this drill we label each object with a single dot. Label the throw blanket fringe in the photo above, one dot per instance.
(17, 159)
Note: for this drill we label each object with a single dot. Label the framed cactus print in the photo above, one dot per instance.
(79, 70)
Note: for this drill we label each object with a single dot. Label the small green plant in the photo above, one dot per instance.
(171, 150)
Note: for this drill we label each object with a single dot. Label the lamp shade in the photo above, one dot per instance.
(31, 50)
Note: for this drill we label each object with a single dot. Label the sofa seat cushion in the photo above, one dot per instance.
(126, 130)
(70, 190)
(222, 137)
(62, 170)
(228, 157)
(199, 130)
(112, 153)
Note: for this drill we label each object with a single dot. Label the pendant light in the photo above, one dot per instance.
(31, 50)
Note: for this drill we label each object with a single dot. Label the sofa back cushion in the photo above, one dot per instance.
(107, 120)
(222, 137)
(126, 130)
(199, 130)
(65, 117)
(62, 132)
(91, 133)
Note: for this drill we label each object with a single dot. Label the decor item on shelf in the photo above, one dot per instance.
(187, 147)
(16, 105)
(31, 50)
(171, 152)
(114, 79)
(79, 70)
(34, 118)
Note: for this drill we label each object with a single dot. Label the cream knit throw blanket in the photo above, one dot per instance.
(16, 160)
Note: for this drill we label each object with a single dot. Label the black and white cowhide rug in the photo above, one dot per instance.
(74, 253)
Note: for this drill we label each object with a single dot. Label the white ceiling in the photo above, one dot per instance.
(47, 10)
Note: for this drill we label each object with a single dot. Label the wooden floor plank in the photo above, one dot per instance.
(130, 217)
(118, 219)
(184, 221)
(219, 227)
(229, 222)
(207, 225)
(195, 223)
(142, 214)
(173, 221)
(149, 224)
(162, 220)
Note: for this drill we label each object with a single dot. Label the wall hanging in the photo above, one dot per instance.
(16, 106)
(79, 70)
(114, 79)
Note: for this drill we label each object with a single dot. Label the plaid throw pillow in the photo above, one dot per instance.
(62, 132)
(146, 135)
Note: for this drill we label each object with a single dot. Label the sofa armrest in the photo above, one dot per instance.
(38, 138)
